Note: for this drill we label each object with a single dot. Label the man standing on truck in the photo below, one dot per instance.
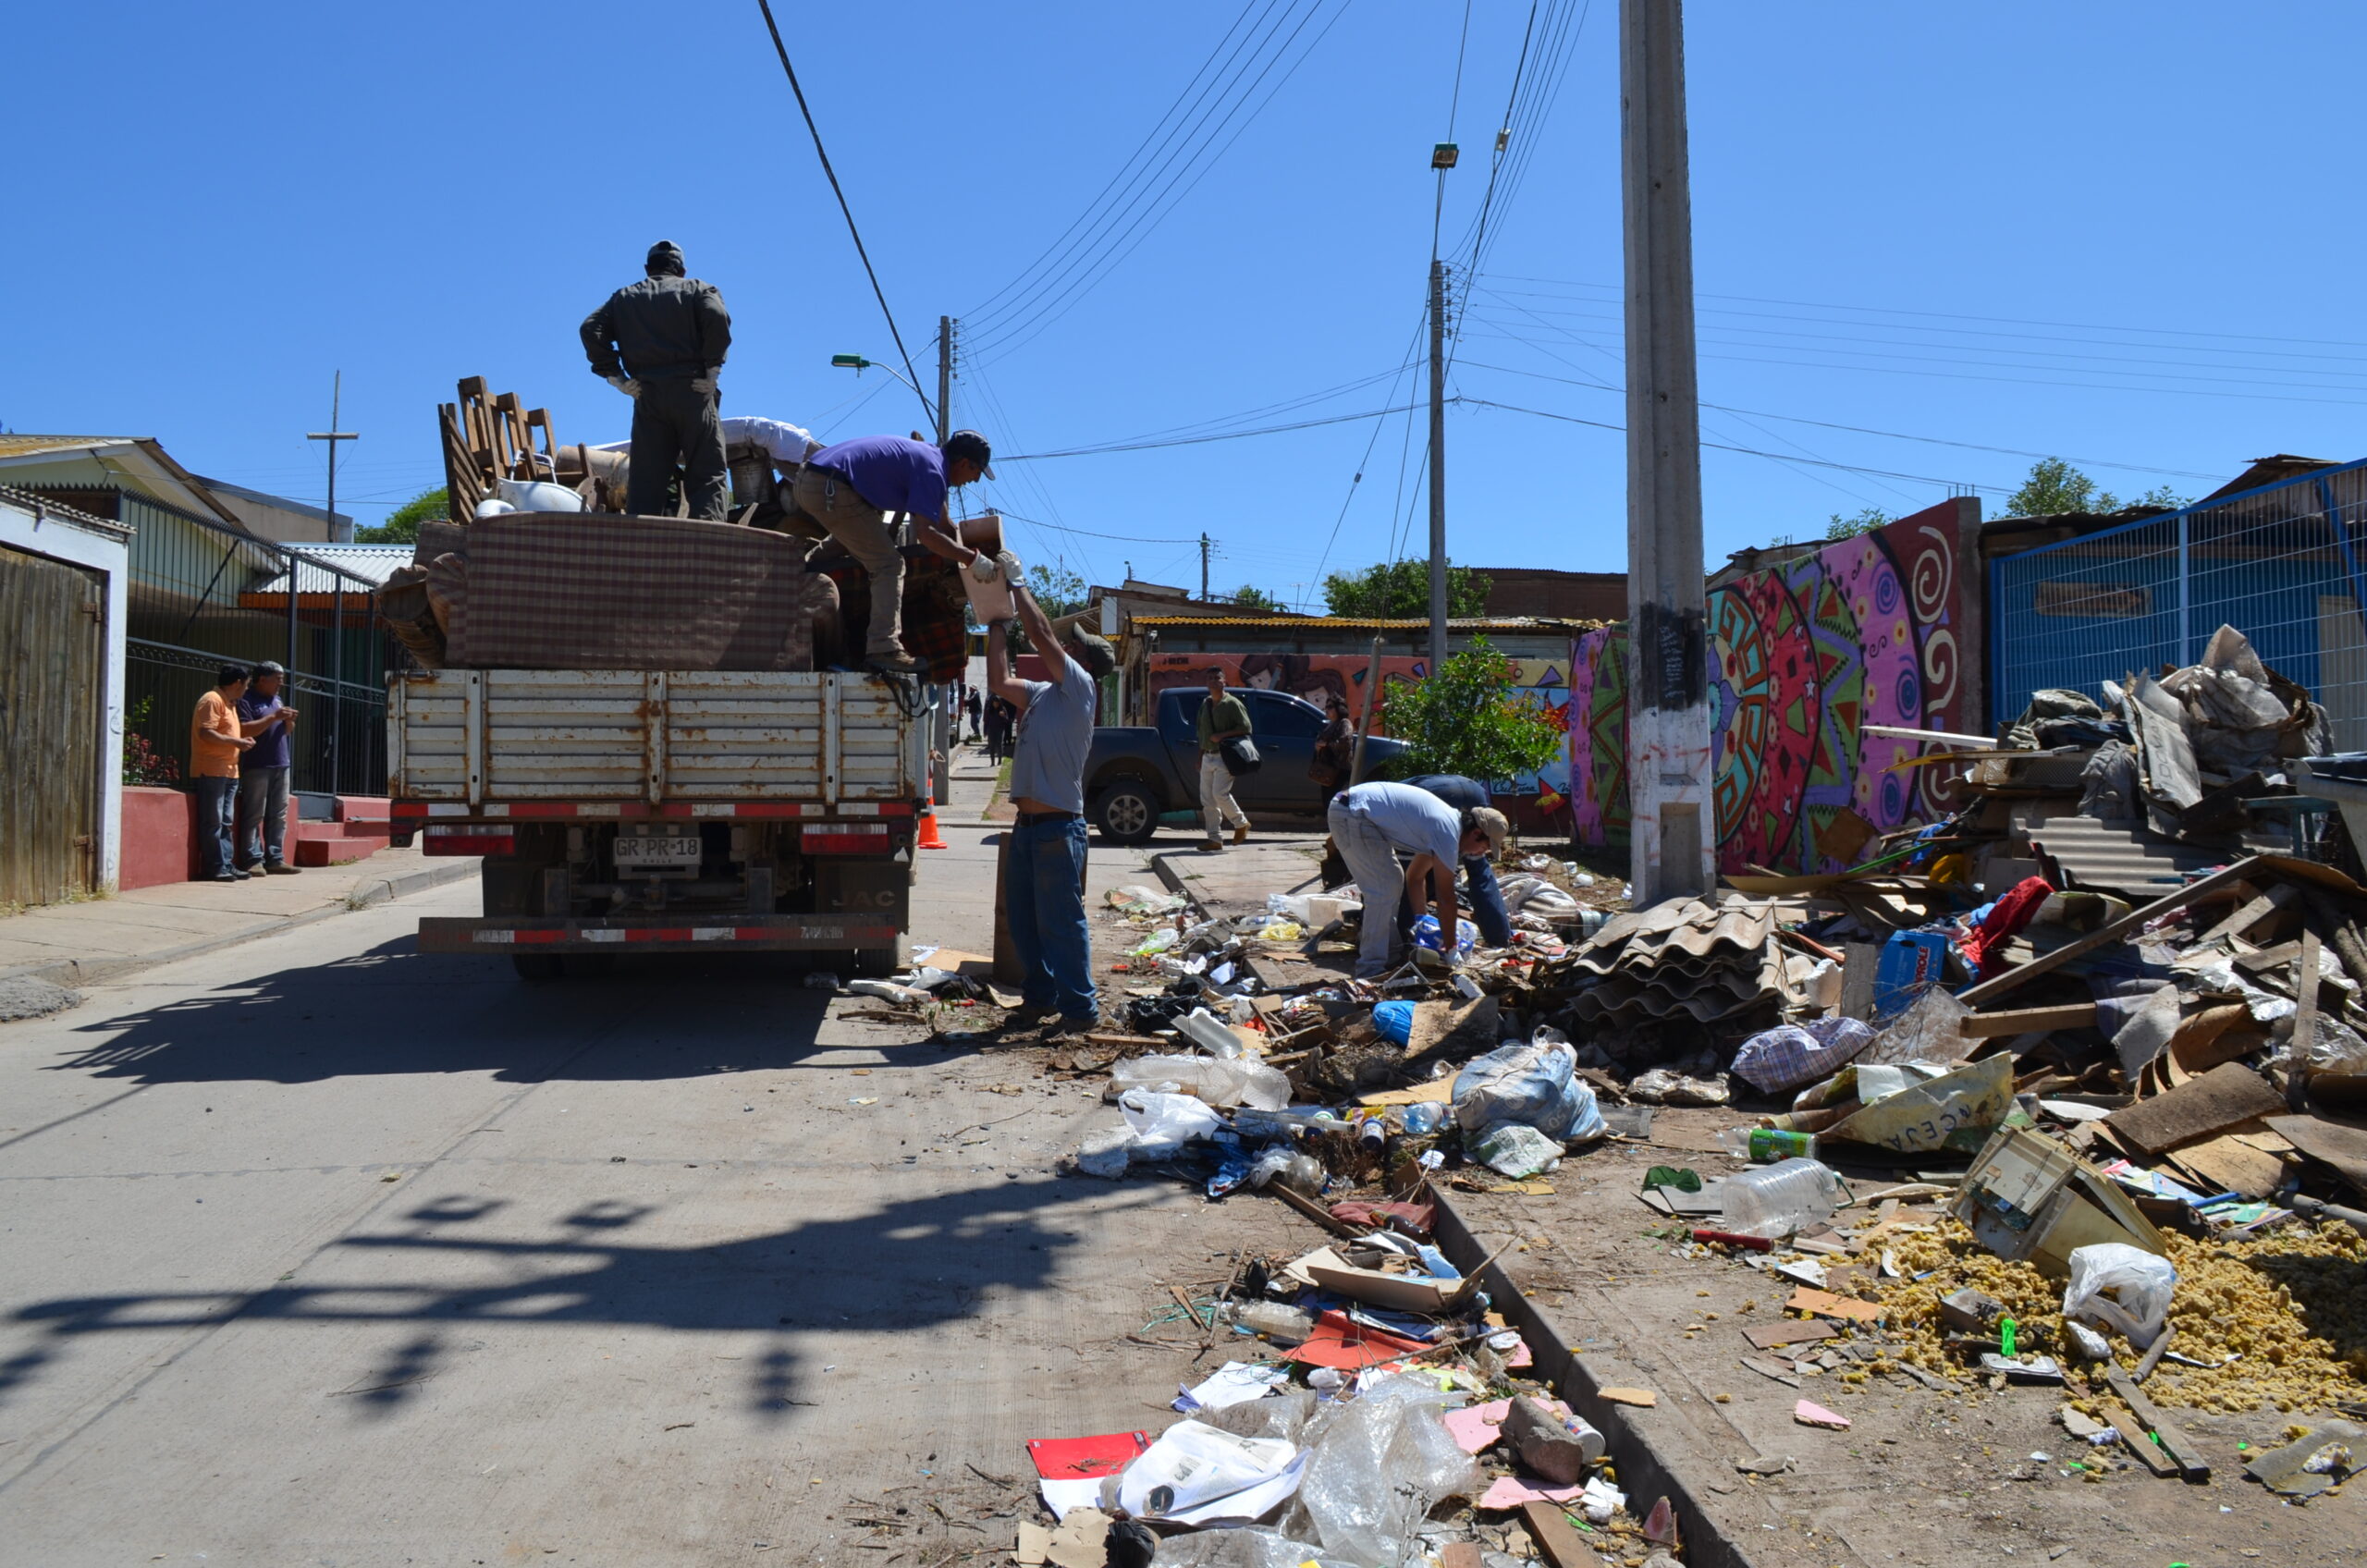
(1222, 717)
(661, 342)
(851, 492)
(1370, 823)
(1044, 891)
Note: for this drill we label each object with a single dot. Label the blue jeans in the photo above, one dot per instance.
(262, 805)
(217, 811)
(1044, 899)
(1485, 905)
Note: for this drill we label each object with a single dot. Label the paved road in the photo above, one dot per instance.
(321, 1251)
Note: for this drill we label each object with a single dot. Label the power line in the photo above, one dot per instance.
(1088, 533)
(1199, 440)
(1864, 430)
(782, 50)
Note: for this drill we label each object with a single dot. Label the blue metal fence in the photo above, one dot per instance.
(2285, 565)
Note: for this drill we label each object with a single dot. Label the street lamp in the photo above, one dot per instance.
(858, 364)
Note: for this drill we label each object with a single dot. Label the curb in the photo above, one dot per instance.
(1645, 1469)
(88, 972)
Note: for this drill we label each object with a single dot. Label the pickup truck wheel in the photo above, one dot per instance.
(1128, 814)
(539, 966)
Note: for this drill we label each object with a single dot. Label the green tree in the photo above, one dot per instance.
(1401, 591)
(1250, 598)
(1056, 590)
(401, 526)
(2055, 486)
(1466, 719)
(1865, 521)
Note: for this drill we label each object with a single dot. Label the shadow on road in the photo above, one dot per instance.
(393, 1010)
(912, 1267)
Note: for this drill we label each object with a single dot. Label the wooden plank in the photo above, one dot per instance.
(1560, 1545)
(1312, 1210)
(1773, 1336)
(1859, 961)
(2252, 914)
(2225, 1097)
(2181, 1448)
(2305, 1016)
(2134, 1439)
(2014, 979)
(2028, 1019)
(1825, 1304)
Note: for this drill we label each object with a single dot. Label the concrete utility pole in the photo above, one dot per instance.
(1204, 568)
(944, 378)
(1438, 464)
(1674, 837)
(337, 584)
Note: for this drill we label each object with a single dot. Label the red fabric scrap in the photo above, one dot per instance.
(1415, 1216)
(1985, 943)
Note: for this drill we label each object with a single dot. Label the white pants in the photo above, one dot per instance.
(1216, 795)
(1372, 861)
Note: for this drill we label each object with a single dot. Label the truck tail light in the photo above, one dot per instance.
(846, 838)
(469, 841)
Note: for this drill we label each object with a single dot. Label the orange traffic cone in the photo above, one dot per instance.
(930, 838)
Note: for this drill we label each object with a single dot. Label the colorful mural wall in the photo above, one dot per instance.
(1806, 654)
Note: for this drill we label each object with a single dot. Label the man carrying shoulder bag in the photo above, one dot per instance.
(1224, 728)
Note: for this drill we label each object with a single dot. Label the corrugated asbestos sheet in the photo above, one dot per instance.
(2120, 857)
(1683, 956)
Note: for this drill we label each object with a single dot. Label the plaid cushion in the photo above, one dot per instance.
(594, 591)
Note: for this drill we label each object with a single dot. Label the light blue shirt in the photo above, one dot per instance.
(1055, 732)
(1409, 818)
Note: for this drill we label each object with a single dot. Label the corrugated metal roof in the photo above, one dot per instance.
(2121, 857)
(22, 445)
(371, 563)
(1343, 623)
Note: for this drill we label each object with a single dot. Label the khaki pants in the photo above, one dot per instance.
(863, 529)
(1216, 803)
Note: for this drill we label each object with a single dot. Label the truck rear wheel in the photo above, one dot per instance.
(871, 963)
(1127, 813)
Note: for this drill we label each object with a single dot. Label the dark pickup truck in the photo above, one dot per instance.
(1135, 773)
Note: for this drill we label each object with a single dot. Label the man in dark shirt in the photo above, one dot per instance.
(661, 342)
(1487, 900)
(263, 773)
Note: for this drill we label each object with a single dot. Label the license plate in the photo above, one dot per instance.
(658, 854)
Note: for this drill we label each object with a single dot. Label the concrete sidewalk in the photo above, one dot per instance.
(97, 940)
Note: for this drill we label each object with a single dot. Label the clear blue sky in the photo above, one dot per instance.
(2113, 231)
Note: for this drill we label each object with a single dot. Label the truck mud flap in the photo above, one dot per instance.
(777, 933)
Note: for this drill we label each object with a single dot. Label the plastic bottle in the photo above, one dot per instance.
(1767, 1144)
(1209, 1033)
(1781, 1199)
(1423, 1119)
(1272, 1320)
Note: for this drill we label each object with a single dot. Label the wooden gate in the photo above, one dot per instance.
(52, 697)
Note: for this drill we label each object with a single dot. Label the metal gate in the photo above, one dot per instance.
(53, 688)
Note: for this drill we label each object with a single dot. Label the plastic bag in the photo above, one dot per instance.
(2121, 1287)
(1251, 1547)
(1531, 1084)
(1192, 1467)
(1376, 1470)
(1792, 1054)
(1155, 943)
(1426, 933)
(1162, 1124)
(1225, 1084)
(1105, 1153)
(1394, 1020)
(1514, 1149)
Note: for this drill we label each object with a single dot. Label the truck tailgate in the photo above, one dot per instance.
(468, 737)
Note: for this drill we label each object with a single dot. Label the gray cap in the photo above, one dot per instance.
(1094, 653)
(664, 256)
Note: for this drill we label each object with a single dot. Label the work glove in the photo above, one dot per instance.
(985, 568)
(629, 388)
(1012, 570)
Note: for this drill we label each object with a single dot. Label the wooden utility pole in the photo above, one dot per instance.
(337, 585)
(1204, 568)
(944, 378)
(1438, 464)
(1674, 834)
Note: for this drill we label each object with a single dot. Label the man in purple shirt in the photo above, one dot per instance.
(263, 773)
(852, 491)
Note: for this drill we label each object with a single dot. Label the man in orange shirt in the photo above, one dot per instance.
(215, 738)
